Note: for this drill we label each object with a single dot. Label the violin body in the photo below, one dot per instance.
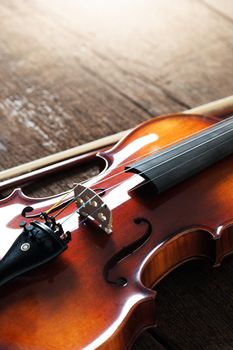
(98, 293)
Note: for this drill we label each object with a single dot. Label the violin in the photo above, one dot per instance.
(77, 270)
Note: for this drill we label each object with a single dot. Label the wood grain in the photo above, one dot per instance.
(71, 72)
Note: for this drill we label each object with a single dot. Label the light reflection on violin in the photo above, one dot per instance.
(187, 218)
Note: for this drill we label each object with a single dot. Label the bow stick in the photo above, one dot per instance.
(25, 173)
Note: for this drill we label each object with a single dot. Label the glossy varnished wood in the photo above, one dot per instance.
(188, 222)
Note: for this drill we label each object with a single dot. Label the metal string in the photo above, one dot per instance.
(161, 152)
(140, 173)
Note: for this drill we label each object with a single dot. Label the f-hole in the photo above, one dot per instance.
(124, 252)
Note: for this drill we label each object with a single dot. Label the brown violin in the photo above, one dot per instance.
(77, 269)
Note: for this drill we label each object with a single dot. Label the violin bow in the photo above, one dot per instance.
(28, 172)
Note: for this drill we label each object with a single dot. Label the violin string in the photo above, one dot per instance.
(161, 152)
(164, 150)
(187, 161)
(118, 173)
(59, 201)
(151, 168)
(188, 150)
(71, 201)
(144, 183)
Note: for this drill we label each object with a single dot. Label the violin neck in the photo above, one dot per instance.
(184, 159)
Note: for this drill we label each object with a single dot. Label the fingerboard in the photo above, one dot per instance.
(186, 158)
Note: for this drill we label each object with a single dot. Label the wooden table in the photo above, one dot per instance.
(74, 71)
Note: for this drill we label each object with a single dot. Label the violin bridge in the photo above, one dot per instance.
(90, 204)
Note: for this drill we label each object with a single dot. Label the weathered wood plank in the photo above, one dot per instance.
(57, 79)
